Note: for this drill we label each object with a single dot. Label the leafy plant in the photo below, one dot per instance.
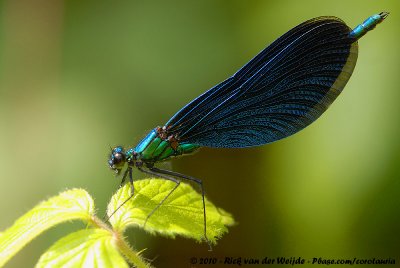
(103, 245)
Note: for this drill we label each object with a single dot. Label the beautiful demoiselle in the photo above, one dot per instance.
(286, 87)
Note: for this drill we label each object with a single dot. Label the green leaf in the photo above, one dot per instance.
(180, 214)
(85, 248)
(69, 205)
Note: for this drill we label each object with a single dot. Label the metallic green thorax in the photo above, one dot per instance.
(156, 147)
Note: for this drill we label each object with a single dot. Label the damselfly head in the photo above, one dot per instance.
(117, 159)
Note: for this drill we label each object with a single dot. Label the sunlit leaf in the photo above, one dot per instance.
(69, 205)
(180, 214)
(85, 248)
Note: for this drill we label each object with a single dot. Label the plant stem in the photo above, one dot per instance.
(132, 256)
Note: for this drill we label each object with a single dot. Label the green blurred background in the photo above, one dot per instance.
(79, 76)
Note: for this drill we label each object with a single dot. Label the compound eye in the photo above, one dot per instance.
(118, 159)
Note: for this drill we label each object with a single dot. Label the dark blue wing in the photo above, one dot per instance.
(279, 92)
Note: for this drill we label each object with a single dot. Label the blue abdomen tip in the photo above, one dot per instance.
(368, 25)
